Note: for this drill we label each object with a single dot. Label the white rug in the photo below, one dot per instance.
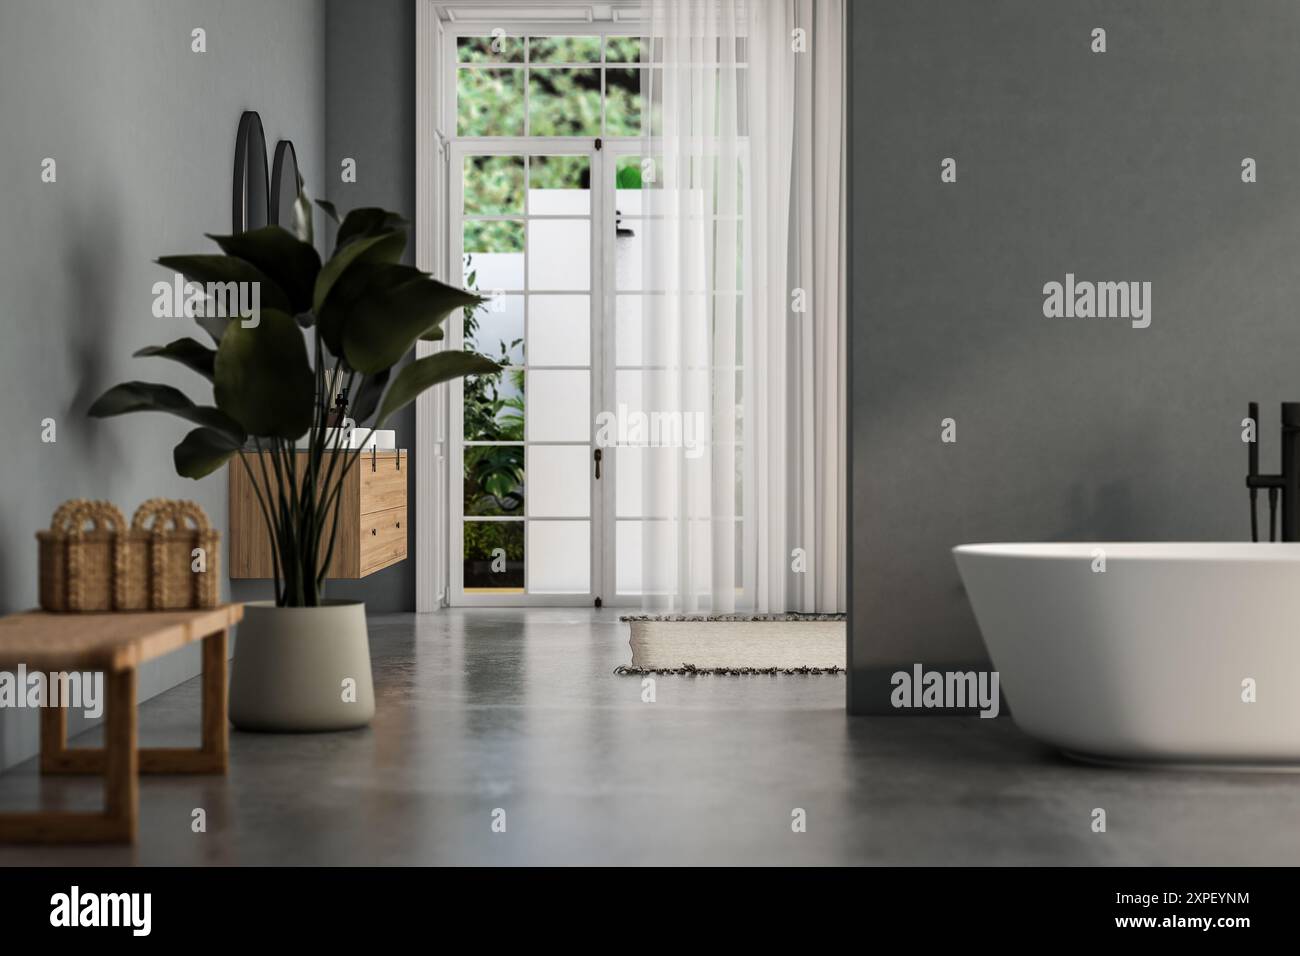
(734, 643)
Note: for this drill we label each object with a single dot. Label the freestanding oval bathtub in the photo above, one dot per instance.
(1175, 653)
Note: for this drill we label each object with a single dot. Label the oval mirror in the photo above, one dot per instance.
(285, 183)
(250, 208)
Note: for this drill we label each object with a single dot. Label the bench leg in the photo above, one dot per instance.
(119, 822)
(54, 737)
(212, 756)
(122, 778)
(216, 702)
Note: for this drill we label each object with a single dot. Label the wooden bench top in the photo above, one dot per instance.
(109, 642)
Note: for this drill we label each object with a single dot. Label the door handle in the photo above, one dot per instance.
(597, 457)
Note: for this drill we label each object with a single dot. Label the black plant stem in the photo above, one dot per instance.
(288, 543)
(330, 492)
(266, 516)
(312, 486)
(331, 467)
(275, 501)
(329, 551)
(302, 531)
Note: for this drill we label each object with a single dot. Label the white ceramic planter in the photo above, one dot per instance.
(302, 669)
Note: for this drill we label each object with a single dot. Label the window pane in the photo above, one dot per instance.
(559, 330)
(630, 253)
(494, 185)
(496, 329)
(622, 102)
(632, 177)
(490, 49)
(493, 254)
(628, 473)
(561, 557)
(560, 486)
(627, 330)
(631, 540)
(623, 50)
(494, 480)
(563, 102)
(564, 49)
(559, 185)
(560, 405)
(489, 102)
(494, 556)
(627, 550)
(494, 406)
(559, 255)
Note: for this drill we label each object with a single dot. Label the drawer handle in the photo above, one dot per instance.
(374, 531)
(399, 524)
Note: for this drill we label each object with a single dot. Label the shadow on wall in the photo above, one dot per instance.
(94, 271)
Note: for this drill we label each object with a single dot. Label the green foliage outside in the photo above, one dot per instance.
(494, 474)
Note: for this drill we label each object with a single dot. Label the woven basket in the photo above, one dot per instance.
(91, 561)
(168, 532)
(80, 556)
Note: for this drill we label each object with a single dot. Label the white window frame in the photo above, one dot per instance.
(520, 146)
(439, 462)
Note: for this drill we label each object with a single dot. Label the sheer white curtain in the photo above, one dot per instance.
(743, 329)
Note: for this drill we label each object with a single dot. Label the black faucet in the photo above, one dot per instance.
(1288, 483)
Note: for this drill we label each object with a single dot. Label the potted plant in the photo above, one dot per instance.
(302, 662)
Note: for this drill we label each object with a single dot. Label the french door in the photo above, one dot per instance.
(526, 498)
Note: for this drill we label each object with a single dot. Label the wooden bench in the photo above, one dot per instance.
(116, 645)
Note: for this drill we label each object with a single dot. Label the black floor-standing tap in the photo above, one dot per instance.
(1288, 483)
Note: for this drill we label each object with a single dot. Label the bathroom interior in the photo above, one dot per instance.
(1041, 450)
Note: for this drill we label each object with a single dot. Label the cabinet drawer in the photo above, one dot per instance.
(383, 481)
(383, 539)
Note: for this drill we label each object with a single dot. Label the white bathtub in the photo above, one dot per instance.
(1145, 662)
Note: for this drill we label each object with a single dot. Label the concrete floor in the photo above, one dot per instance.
(518, 710)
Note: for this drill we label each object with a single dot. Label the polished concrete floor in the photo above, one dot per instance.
(518, 711)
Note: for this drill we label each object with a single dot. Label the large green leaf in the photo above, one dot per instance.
(214, 325)
(302, 225)
(202, 452)
(151, 397)
(333, 314)
(291, 263)
(427, 372)
(367, 221)
(188, 352)
(369, 392)
(330, 209)
(263, 378)
(397, 306)
(215, 268)
(385, 247)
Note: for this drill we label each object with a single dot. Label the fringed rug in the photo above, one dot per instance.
(736, 644)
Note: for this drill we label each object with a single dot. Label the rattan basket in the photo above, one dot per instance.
(90, 560)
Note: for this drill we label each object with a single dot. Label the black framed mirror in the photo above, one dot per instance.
(286, 181)
(251, 206)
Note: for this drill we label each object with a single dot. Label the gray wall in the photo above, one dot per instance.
(370, 117)
(369, 104)
(142, 131)
(1116, 166)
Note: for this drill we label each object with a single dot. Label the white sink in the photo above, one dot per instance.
(383, 439)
